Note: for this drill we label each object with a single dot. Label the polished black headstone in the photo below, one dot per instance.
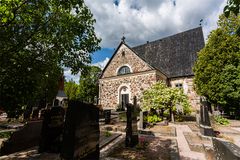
(205, 125)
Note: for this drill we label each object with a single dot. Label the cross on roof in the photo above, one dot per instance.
(123, 39)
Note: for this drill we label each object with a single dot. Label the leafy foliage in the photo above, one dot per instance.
(233, 6)
(88, 86)
(153, 119)
(160, 96)
(6, 134)
(218, 66)
(107, 134)
(221, 120)
(37, 39)
(72, 90)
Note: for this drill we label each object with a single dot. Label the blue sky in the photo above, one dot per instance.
(101, 55)
(147, 20)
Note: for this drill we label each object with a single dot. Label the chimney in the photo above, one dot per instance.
(61, 83)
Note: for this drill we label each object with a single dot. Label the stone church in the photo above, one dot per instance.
(131, 70)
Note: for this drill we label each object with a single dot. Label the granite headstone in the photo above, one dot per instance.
(52, 130)
(81, 132)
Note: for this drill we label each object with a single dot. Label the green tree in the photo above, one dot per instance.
(37, 39)
(161, 97)
(233, 6)
(217, 69)
(72, 90)
(88, 86)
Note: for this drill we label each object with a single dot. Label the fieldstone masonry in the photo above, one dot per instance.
(109, 89)
(188, 89)
(125, 56)
(142, 76)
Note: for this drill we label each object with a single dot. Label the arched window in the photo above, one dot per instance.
(123, 70)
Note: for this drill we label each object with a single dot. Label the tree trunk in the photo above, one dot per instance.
(162, 110)
(171, 114)
(172, 117)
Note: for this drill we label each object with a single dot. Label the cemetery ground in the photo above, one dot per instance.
(179, 140)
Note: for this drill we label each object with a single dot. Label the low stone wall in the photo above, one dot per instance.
(225, 150)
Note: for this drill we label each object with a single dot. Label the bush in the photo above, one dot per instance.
(6, 134)
(122, 117)
(119, 108)
(221, 120)
(153, 119)
(179, 117)
(107, 134)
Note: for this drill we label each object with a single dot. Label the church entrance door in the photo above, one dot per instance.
(125, 100)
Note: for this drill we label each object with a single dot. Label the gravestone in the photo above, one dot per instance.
(225, 150)
(131, 131)
(141, 120)
(205, 125)
(35, 114)
(107, 116)
(27, 115)
(135, 112)
(52, 130)
(24, 138)
(42, 113)
(81, 132)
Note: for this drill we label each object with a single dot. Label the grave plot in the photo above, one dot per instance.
(148, 148)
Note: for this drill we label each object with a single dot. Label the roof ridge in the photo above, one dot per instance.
(173, 35)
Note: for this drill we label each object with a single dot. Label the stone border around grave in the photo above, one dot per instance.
(202, 146)
(174, 153)
(109, 139)
(105, 151)
(225, 150)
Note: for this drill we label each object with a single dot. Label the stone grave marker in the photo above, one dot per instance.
(81, 132)
(131, 130)
(135, 112)
(107, 116)
(26, 137)
(35, 114)
(205, 125)
(52, 130)
(141, 120)
(225, 150)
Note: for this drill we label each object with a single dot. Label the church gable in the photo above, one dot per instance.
(124, 60)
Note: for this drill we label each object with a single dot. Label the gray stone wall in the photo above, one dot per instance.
(128, 58)
(188, 88)
(136, 83)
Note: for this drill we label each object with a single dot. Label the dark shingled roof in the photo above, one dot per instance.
(174, 55)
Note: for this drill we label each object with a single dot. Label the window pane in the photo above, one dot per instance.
(124, 70)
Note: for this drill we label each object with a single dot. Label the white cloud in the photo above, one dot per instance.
(69, 76)
(101, 64)
(147, 20)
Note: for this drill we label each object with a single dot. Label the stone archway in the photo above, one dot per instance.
(124, 96)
